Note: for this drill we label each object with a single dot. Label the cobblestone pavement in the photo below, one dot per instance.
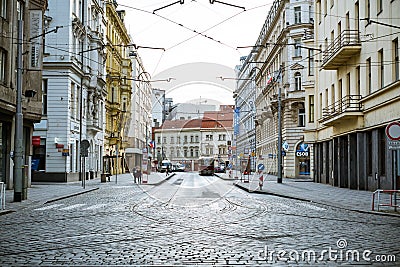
(192, 220)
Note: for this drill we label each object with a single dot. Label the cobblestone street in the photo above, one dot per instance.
(192, 219)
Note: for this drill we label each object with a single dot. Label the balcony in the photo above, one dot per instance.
(347, 108)
(345, 46)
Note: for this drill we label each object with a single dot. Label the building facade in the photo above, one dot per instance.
(73, 92)
(138, 128)
(281, 62)
(31, 13)
(357, 94)
(179, 141)
(119, 90)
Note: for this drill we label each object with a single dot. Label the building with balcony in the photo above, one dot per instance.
(32, 15)
(279, 60)
(73, 91)
(357, 93)
(119, 90)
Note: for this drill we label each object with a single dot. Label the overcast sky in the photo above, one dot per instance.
(237, 28)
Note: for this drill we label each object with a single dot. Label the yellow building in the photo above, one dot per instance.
(118, 83)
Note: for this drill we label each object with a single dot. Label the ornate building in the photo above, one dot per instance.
(119, 90)
(73, 92)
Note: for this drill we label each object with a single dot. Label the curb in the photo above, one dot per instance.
(317, 202)
(4, 212)
(71, 195)
(225, 179)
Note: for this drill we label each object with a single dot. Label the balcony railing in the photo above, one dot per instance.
(348, 106)
(341, 49)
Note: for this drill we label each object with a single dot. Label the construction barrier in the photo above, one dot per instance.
(392, 202)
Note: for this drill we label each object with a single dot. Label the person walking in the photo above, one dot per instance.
(167, 170)
(139, 175)
(134, 171)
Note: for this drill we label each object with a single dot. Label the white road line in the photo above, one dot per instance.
(94, 207)
(73, 207)
(49, 207)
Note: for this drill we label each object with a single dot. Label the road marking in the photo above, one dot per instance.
(306, 205)
(93, 207)
(73, 207)
(49, 207)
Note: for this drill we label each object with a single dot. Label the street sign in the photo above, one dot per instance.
(393, 145)
(230, 166)
(260, 167)
(393, 131)
(85, 148)
(285, 146)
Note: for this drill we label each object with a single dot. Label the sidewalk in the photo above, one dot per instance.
(42, 193)
(307, 190)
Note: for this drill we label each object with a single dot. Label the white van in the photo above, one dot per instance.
(166, 164)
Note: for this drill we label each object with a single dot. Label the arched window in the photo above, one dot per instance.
(297, 81)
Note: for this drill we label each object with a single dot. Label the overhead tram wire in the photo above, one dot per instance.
(179, 24)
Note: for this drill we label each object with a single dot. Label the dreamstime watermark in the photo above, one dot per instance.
(338, 254)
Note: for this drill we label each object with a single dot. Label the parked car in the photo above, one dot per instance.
(219, 169)
(179, 167)
(164, 165)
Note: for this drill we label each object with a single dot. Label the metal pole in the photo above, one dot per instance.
(279, 179)
(116, 164)
(19, 191)
(81, 176)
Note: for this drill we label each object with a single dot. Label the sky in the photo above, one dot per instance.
(174, 29)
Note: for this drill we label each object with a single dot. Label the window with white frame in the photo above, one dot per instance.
(302, 117)
(297, 49)
(3, 8)
(297, 14)
(297, 81)
(3, 56)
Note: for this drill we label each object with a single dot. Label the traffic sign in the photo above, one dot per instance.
(285, 146)
(230, 166)
(393, 131)
(260, 167)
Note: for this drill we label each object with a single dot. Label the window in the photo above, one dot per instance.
(297, 49)
(381, 73)
(3, 61)
(358, 80)
(396, 59)
(44, 96)
(197, 138)
(348, 84)
(191, 139)
(196, 153)
(191, 152)
(185, 139)
(325, 7)
(319, 12)
(320, 105)
(310, 62)
(164, 140)
(302, 117)
(172, 140)
(73, 99)
(185, 153)
(297, 81)
(297, 14)
(178, 140)
(379, 6)
(369, 81)
(3, 8)
(311, 108)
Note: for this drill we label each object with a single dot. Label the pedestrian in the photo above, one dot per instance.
(139, 173)
(134, 171)
(167, 170)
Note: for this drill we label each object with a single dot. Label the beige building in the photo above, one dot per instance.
(281, 61)
(357, 93)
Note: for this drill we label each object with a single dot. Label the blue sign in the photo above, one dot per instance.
(260, 167)
(230, 166)
(35, 164)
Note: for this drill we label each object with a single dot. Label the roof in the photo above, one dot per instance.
(216, 119)
(181, 124)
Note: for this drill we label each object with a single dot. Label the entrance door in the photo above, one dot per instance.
(303, 159)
